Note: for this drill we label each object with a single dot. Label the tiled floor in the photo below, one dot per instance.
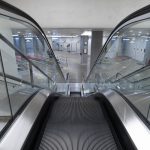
(71, 63)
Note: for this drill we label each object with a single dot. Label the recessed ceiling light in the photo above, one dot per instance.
(124, 67)
(132, 42)
(115, 36)
(126, 39)
(14, 35)
(87, 33)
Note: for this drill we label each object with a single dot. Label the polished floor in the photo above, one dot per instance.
(71, 63)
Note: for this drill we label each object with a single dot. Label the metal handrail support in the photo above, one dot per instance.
(15, 49)
(68, 86)
(82, 90)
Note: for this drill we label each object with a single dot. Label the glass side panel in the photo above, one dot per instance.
(18, 93)
(5, 111)
(29, 41)
(39, 79)
(14, 64)
(126, 52)
(124, 65)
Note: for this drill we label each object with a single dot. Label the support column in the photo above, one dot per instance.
(96, 45)
(84, 49)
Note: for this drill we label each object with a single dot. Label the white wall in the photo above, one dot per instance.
(135, 50)
(8, 55)
(79, 13)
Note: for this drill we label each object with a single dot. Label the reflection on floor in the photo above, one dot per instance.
(71, 63)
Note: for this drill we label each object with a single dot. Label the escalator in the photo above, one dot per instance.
(76, 123)
(110, 110)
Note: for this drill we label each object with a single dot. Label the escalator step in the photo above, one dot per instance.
(77, 123)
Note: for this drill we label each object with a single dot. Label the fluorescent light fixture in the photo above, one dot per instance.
(18, 32)
(15, 35)
(140, 32)
(54, 38)
(61, 36)
(115, 36)
(132, 42)
(87, 33)
(126, 39)
(28, 38)
(28, 41)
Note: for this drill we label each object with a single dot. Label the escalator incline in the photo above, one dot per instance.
(77, 123)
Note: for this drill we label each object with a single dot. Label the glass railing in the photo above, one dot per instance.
(26, 35)
(27, 62)
(123, 63)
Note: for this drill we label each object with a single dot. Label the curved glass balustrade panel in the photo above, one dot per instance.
(5, 108)
(31, 42)
(27, 62)
(127, 51)
(124, 65)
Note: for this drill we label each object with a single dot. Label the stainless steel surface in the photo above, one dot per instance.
(138, 131)
(141, 100)
(17, 133)
(75, 87)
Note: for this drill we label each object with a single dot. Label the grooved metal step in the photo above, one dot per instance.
(77, 123)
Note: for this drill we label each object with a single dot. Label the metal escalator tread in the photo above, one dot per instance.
(77, 124)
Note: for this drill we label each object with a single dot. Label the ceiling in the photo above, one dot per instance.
(79, 13)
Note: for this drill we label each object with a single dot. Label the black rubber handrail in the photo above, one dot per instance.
(135, 14)
(14, 10)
